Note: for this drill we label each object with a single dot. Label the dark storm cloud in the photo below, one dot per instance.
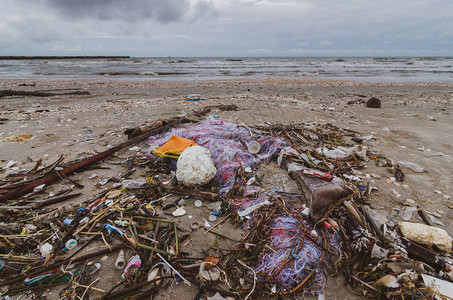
(164, 11)
(226, 27)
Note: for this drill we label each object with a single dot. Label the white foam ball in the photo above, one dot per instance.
(195, 166)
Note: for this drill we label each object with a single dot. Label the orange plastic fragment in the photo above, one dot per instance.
(173, 147)
(212, 260)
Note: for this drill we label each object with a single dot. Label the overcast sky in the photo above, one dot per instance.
(226, 27)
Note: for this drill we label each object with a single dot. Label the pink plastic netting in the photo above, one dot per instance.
(226, 142)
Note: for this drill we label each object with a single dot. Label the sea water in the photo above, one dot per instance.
(385, 69)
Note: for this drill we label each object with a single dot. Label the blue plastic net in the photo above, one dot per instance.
(293, 256)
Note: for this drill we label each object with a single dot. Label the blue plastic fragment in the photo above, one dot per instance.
(80, 212)
(362, 187)
(111, 228)
(67, 221)
(295, 256)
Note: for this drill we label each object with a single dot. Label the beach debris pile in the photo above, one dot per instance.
(206, 214)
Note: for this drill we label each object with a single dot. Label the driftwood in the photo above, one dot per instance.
(136, 131)
(419, 252)
(56, 200)
(11, 93)
(83, 163)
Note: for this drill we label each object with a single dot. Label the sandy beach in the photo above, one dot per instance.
(414, 124)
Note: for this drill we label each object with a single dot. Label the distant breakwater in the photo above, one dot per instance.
(61, 57)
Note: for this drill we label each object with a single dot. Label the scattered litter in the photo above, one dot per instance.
(215, 206)
(180, 211)
(45, 249)
(38, 188)
(10, 164)
(216, 296)
(71, 244)
(173, 147)
(134, 183)
(426, 235)
(207, 224)
(442, 287)
(387, 281)
(253, 147)
(412, 166)
(120, 262)
(16, 138)
(291, 241)
(250, 209)
(132, 267)
(206, 274)
(378, 252)
(408, 212)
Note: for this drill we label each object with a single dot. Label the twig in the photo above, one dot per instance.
(102, 235)
(171, 267)
(254, 279)
(117, 295)
(88, 287)
(36, 271)
(189, 240)
(218, 223)
(363, 282)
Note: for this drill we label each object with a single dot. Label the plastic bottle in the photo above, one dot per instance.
(132, 267)
(120, 262)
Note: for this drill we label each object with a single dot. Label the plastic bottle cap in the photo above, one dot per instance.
(254, 147)
(70, 244)
(45, 249)
(198, 203)
(212, 218)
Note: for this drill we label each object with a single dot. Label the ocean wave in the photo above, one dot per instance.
(368, 68)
